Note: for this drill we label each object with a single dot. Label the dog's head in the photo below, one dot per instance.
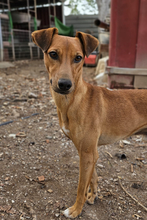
(64, 56)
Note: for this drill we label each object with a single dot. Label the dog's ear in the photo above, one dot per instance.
(88, 41)
(43, 38)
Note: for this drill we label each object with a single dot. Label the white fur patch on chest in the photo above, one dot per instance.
(109, 89)
(66, 131)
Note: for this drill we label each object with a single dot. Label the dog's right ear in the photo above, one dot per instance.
(43, 38)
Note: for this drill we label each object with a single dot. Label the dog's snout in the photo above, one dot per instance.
(64, 84)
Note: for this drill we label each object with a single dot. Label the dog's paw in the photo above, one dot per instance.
(71, 212)
(66, 213)
(91, 198)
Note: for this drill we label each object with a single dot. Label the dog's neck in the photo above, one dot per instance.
(65, 103)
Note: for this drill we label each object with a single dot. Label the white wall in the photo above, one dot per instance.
(82, 23)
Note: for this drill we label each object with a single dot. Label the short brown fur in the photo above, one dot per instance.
(89, 115)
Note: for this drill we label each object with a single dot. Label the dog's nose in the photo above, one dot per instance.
(64, 84)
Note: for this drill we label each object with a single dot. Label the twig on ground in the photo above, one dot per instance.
(107, 159)
(132, 170)
(132, 196)
(109, 154)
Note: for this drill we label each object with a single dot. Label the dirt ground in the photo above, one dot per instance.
(39, 166)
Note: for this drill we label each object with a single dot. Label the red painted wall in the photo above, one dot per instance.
(141, 56)
(128, 34)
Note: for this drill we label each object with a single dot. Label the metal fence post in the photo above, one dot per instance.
(1, 43)
(12, 41)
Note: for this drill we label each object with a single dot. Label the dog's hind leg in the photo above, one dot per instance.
(93, 186)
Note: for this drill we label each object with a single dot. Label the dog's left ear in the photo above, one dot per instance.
(89, 42)
(42, 38)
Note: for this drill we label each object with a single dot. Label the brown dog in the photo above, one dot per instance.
(89, 115)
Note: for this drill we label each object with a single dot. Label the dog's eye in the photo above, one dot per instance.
(77, 59)
(53, 55)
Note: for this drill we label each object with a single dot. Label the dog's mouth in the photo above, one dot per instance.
(62, 92)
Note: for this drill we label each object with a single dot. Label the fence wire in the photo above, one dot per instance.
(15, 43)
(5, 39)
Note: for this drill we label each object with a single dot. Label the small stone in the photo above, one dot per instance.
(50, 190)
(100, 166)
(126, 142)
(41, 178)
(118, 171)
(1, 154)
(12, 135)
(5, 103)
(49, 137)
(32, 95)
(50, 202)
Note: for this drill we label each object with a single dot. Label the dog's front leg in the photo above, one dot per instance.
(87, 164)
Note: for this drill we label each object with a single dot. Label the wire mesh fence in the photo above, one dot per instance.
(5, 38)
(23, 46)
(16, 44)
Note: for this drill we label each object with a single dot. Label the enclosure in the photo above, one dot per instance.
(39, 166)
